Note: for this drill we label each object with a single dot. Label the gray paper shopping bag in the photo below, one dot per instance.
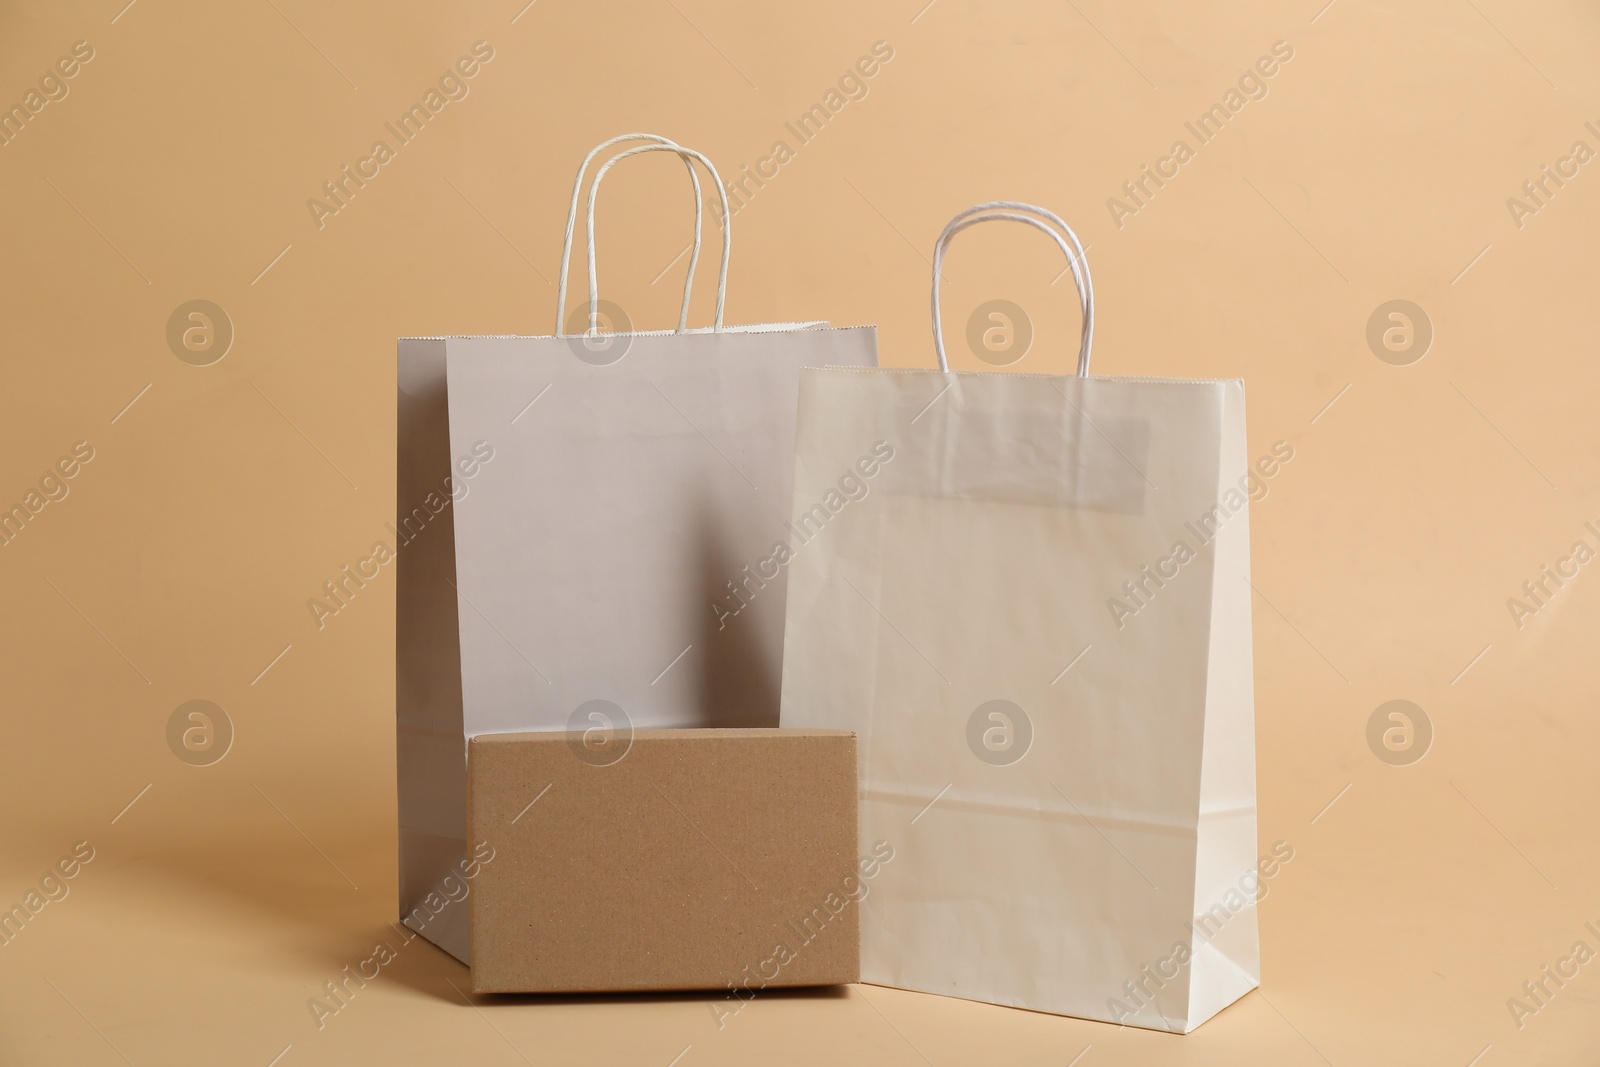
(604, 504)
(1033, 607)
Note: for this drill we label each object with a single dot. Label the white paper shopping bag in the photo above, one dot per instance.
(1033, 607)
(612, 497)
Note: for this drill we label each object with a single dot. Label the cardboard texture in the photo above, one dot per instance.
(699, 859)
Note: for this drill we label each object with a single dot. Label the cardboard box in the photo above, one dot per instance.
(695, 859)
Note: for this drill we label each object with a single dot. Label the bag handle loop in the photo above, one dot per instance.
(689, 155)
(572, 220)
(1013, 210)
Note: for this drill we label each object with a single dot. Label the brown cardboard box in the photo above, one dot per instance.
(692, 859)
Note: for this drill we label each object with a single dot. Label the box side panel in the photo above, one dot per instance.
(723, 863)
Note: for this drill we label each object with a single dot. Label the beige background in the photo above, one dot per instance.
(1378, 167)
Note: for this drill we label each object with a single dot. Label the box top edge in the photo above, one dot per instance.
(666, 734)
